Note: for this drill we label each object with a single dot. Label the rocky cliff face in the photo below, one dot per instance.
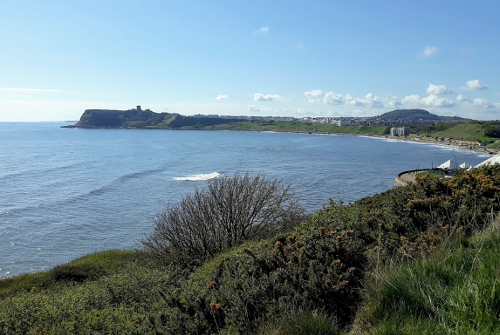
(132, 118)
(137, 118)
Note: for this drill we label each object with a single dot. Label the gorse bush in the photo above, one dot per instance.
(238, 290)
(414, 220)
(225, 214)
(250, 281)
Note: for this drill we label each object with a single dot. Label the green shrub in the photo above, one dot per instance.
(238, 290)
(321, 266)
(90, 267)
(225, 214)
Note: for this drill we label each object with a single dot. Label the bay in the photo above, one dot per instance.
(65, 193)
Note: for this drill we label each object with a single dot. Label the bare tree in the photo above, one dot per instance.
(226, 213)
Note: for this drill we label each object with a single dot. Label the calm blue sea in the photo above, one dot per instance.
(65, 193)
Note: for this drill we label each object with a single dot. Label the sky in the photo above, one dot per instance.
(271, 58)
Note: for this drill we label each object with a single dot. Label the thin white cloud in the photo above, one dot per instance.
(482, 103)
(431, 100)
(462, 98)
(428, 51)
(435, 101)
(28, 90)
(476, 103)
(412, 100)
(266, 97)
(300, 46)
(263, 30)
(369, 100)
(221, 97)
(330, 98)
(393, 102)
(314, 95)
(474, 85)
(254, 108)
(352, 101)
(438, 89)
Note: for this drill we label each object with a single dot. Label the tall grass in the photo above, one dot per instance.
(90, 267)
(301, 321)
(455, 290)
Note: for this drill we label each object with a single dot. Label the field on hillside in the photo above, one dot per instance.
(295, 127)
(473, 131)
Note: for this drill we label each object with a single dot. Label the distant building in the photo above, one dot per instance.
(342, 123)
(400, 131)
(139, 108)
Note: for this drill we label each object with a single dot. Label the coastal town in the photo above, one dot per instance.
(391, 119)
(402, 124)
(396, 117)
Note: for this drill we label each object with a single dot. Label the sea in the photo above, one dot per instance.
(65, 193)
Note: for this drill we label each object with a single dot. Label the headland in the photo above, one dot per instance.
(406, 125)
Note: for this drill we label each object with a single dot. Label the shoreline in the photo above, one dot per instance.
(475, 148)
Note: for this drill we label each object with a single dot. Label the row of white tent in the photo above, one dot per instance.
(447, 165)
(490, 161)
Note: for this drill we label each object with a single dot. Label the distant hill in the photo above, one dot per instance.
(412, 116)
(138, 118)
(132, 118)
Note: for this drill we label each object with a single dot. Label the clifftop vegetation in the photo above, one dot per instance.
(411, 115)
(137, 118)
(486, 132)
(369, 267)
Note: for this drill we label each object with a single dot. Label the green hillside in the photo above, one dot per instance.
(486, 132)
(416, 259)
(294, 127)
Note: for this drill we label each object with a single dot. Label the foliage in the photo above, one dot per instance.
(287, 126)
(409, 221)
(410, 115)
(492, 130)
(484, 131)
(308, 279)
(300, 321)
(453, 291)
(237, 291)
(233, 293)
(90, 267)
(132, 118)
(225, 214)
(121, 303)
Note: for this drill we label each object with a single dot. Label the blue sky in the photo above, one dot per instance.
(288, 58)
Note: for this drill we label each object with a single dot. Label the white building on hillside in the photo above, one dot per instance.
(400, 131)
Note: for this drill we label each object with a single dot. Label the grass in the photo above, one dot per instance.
(294, 127)
(90, 267)
(453, 291)
(472, 131)
(301, 321)
(374, 261)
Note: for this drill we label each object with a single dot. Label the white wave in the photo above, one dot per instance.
(197, 177)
